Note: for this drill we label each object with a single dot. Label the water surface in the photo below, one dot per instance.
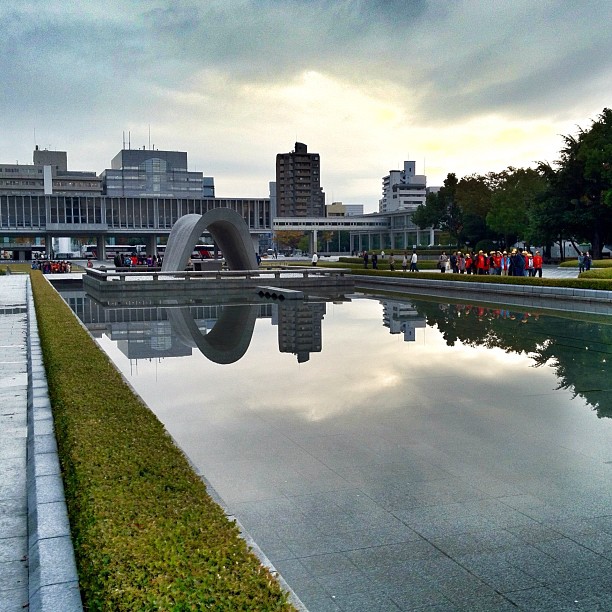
(397, 453)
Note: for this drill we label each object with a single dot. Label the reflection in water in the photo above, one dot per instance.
(229, 338)
(402, 318)
(580, 351)
(221, 332)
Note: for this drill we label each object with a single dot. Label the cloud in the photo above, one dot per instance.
(364, 82)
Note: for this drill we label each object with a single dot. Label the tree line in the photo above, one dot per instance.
(570, 200)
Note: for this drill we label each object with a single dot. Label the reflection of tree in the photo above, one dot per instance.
(580, 351)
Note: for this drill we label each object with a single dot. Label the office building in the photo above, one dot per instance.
(298, 184)
(155, 173)
(338, 209)
(403, 189)
(48, 175)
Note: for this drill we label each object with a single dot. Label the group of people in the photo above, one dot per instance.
(48, 266)
(584, 261)
(500, 263)
(130, 261)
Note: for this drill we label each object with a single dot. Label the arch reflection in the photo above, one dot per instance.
(226, 342)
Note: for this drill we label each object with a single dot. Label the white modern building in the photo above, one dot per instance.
(403, 190)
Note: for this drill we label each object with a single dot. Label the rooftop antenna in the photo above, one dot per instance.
(149, 136)
(129, 139)
(123, 147)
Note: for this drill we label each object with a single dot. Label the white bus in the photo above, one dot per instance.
(90, 251)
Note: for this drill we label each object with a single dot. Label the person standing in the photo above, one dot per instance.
(442, 262)
(405, 262)
(461, 262)
(413, 262)
(588, 260)
(374, 261)
(365, 259)
(392, 262)
(537, 264)
(468, 263)
(505, 264)
(315, 259)
(580, 263)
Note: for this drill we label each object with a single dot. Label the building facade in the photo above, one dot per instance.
(154, 173)
(338, 209)
(48, 174)
(298, 184)
(403, 189)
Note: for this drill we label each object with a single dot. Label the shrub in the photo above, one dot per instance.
(147, 535)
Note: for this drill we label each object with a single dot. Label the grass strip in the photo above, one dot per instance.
(147, 535)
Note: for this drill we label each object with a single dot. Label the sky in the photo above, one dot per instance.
(458, 86)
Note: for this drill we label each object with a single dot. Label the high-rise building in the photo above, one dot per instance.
(403, 189)
(298, 184)
(154, 173)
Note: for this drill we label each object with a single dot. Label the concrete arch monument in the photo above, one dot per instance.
(228, 230)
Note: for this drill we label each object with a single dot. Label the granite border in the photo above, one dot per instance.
(53, 579)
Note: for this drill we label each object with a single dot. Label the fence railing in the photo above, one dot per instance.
(111, 274)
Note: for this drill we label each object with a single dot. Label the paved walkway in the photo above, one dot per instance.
(13, 443)
(37, 568)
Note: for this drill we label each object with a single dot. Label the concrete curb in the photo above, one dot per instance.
(563, 296)
(53, 579)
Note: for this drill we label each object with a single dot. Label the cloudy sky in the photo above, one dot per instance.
(459, 86)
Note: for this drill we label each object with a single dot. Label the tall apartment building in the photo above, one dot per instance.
(403, 189)
(48, 174)
(154, 173)
(298, 184)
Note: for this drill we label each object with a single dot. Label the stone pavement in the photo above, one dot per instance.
(37, 567)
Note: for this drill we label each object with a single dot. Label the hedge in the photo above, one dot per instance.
(575, 283)
(147, 535)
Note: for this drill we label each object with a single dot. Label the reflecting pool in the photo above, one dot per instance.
(392, 453)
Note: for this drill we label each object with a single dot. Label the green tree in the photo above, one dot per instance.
(288, 238)
(514, 195)
(442, 210)
(580, 186)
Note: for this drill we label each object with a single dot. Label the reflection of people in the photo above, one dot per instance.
(315, 259)
(258, 257)
(89, 263)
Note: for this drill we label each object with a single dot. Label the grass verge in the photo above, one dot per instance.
(147, 535)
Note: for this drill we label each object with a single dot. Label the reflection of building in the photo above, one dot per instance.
(146, 173)
(298, 184)
(299, 328)
(401, 317)
(145, 332)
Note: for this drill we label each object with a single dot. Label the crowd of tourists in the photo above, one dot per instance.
(48, 266)
(500, 263)
(131, 261)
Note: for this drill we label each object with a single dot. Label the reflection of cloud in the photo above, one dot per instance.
(355, 80)
(361, 371)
